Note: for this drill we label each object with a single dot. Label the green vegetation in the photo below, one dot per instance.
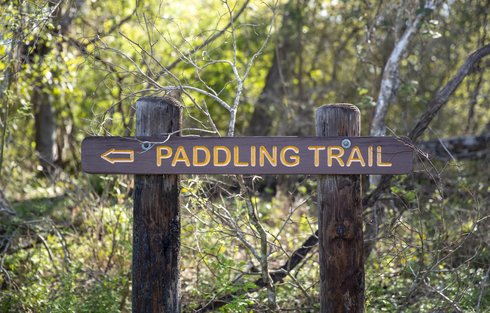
(70, 69)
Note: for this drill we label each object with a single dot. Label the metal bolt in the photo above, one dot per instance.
(346, 143)
(146, 145)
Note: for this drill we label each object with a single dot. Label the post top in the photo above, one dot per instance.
(332, 106)
(153, 100)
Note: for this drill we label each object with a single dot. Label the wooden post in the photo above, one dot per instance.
(156, 225)
(340, 220)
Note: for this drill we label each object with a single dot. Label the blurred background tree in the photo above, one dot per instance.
(73, 68)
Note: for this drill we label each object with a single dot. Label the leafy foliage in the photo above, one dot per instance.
(68, 247)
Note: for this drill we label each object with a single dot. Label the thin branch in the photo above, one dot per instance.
(484, 285)
(198, 90)
(207, 41)
(115, 26)
(240, 80)
(276, 276)
(442, 96)
(264, 247)
(444, 297)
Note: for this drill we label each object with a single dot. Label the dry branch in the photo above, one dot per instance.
(442, 96)
(276, 276)
(207, 41)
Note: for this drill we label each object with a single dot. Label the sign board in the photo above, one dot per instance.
(247, 155)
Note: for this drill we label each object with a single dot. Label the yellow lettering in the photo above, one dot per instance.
(180, 156)
(161, 156)
(294, 158)
(195, 155)
(253, 155)
(317, 153)
(352, 158)
(263, 154)
(370, 156)
(216, 160)
(337, 156)
(379, 162)
(236, 157)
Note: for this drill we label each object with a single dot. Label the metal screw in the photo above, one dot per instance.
(346, 143)
(146, 145)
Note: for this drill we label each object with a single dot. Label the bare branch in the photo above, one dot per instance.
(198, 90)
(442, 96)
(207, 41)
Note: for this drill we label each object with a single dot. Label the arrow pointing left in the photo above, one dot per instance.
(128, 156)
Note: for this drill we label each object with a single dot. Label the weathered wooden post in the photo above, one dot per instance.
(340, 220)
(156, 226)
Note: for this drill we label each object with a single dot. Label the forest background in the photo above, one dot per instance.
(74, 68)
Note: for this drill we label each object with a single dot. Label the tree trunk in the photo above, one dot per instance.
(45, 125)
(280, 74)
(45, 120)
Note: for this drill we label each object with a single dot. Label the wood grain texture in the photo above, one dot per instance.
(156, 225)
(340, 221)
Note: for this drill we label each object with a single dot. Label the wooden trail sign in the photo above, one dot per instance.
(247, 155)
(338, 161)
